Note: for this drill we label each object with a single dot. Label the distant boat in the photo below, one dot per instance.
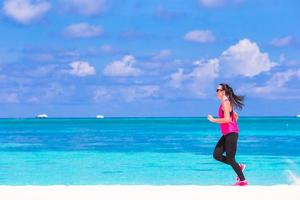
(42, 116)
(298, 115)
(99, 116)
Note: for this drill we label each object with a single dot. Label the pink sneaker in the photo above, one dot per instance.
(241, 183)
(243, 167)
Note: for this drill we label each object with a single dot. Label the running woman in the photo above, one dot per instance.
(229, 128)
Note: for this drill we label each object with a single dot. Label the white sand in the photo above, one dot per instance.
(141, 192)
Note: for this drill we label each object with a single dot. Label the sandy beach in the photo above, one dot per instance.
(145, 192)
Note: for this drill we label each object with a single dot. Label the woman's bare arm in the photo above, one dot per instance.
(226, 118)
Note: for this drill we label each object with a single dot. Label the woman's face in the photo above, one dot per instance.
(220, 91)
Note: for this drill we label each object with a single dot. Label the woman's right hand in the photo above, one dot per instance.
(210, 118)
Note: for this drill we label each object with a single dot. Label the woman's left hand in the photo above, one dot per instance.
(210, 118)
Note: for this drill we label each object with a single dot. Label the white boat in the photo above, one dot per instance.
(99, 116)
(42, 116)
(298, 115)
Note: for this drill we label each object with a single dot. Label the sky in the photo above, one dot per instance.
(158, 58)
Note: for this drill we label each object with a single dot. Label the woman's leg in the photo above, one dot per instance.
(230, 148)
(219, 150)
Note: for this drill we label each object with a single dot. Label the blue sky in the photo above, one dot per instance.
(73, 58)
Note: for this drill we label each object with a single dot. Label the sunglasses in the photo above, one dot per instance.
(219, 90)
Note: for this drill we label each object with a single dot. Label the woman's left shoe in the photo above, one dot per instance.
(241, 183)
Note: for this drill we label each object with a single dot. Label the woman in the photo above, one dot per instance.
(228, 124)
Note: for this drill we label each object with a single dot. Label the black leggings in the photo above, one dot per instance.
(228, 144)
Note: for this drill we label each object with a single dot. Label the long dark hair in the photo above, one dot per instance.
(236, 101)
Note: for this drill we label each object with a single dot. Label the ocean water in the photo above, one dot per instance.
(151, 151)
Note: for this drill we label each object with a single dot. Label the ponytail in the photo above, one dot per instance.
(236, 101)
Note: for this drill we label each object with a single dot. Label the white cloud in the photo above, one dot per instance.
(177, 78)
(199, 80)
(286, 62)
(241, 59)
(123, 67)
(276, 87)
(81, 68)
(244, 58)
(25, 11)
(85, 7)
(279, 79)
(201, 36)
(278, 82)
(138, 92)
(218, 3)
(83, 30)
(203, 76)
(282, 42)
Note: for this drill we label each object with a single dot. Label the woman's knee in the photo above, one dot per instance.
(217, 155)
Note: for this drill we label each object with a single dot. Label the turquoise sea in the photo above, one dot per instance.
(151, 151)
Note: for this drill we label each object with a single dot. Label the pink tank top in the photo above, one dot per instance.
(230, 127)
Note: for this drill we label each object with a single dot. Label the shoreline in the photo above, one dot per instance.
(147, 192)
